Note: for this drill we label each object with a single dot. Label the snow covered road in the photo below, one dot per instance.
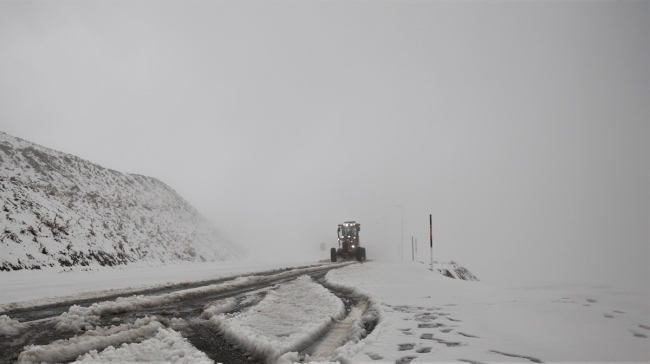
(375, 312)
(81, 329)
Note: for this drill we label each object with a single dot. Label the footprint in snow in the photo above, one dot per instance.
(591, 300)
(404, 347)
(448, 343)
(619, 311)
(405, 360)
(644, 327)
(638, 334)
(424, 349)
(426, 316)
(446, 331)
(374, 356)
(429, 325)
(609, 315)
(470, 361)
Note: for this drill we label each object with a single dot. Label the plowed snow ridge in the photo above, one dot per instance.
(289, 317)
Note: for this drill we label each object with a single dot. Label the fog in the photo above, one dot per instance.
(521, 127)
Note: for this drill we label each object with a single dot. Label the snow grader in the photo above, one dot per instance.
(348, 238)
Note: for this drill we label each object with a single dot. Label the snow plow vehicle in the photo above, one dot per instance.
(349, 246)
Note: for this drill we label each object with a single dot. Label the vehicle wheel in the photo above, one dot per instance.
(363, 254)
(333, 255)
(359, 254)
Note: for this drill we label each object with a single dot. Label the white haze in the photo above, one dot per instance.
(522, 127)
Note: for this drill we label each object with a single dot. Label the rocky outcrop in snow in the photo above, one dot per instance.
(454, 271)
(60, 210)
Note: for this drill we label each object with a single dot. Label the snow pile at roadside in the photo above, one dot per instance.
(219, 306)
(167, 346)
(68, 349)
(10, 327)
(288, 317)
(79, 317)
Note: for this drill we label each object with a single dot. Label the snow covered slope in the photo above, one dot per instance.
(60, 210)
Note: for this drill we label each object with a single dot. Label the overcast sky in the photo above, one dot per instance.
(522, 127)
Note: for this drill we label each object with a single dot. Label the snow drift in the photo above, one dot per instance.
(60, 210)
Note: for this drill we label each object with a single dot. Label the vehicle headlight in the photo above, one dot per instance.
(353, 246)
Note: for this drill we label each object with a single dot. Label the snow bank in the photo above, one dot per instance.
(68, 349)
(220, 306)
(289, 317)
(167, 346)
(9, 327)
(78, 317)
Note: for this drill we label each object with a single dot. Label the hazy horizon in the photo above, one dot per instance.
(522, 127)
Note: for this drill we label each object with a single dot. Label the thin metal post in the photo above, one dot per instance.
(431, 238)
(412, 249)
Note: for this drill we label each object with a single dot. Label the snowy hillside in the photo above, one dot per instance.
(60, 210)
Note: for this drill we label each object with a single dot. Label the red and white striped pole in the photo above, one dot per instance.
(431, 238)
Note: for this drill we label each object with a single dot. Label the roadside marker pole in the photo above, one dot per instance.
(412, 249)
(431, 238)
